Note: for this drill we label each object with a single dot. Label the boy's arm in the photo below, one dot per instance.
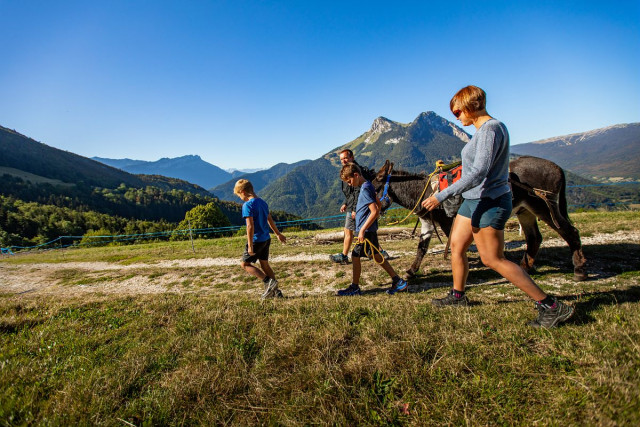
(250, 229)
(373, 215)
(272, 224)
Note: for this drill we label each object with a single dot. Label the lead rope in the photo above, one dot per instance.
(373, 247)
(421, 196)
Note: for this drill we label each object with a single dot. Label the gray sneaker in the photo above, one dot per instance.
(450, 299)
(339, 258)
(270, 289)
(551, 317)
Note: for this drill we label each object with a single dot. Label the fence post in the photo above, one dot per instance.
(191, 237)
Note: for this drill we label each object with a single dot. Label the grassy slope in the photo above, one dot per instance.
(204, 357)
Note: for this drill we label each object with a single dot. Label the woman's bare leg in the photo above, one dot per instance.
(490, 244)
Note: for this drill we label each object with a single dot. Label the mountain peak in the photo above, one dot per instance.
(381, 125)
(435, 121)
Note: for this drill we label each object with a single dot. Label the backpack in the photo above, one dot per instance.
(447, 176)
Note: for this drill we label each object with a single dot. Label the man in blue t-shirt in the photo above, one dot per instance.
(255, 211)
(367, 212)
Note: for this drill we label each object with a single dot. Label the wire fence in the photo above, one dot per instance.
(331, 221)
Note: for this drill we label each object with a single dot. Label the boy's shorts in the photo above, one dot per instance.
(260, 249)
(487, 212)
(349, 222)
(359, 249)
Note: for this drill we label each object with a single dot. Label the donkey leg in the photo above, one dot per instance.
(532, 236)
(426, 231)
(571, 235)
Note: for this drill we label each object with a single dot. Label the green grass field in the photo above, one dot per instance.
(155, 334)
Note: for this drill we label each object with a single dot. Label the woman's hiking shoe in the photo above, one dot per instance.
(270, 289)
(339, 258)
(352, 290)
(450, 299)
(551, 317)
(399, 286)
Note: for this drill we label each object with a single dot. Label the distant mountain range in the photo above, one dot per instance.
(314, 188)
(20, 152)
(311, 188)
(610, 153)
(188, 168)
(35, 172)
(259, 179)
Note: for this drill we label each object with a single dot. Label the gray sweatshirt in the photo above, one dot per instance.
(485, 165)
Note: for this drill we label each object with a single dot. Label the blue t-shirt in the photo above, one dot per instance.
(365, 198)
(259, 211)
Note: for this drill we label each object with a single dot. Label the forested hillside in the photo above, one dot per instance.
(48, 193)
(259, 179)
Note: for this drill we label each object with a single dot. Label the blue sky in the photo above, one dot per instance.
(248, 84)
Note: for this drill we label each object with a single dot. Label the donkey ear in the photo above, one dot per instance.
(383, 170)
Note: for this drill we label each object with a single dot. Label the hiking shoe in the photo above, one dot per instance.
(551, 317)
(339, 258)
(270, 288)
(352, 290)
(450, 299)
(399, 286)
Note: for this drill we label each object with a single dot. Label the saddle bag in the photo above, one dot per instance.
(445, 179)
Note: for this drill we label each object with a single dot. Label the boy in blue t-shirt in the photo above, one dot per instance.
(256, 213)
(367, 212)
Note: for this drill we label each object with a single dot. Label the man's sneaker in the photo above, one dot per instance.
(399, 286)
(352, 290)
(550, 317)
(270, 288)
(278, 294)
(339, 258)
(450, 299)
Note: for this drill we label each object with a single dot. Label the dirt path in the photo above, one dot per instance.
(74, 278)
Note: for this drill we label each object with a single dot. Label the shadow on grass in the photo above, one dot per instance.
(586, 303)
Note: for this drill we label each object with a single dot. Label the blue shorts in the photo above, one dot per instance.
(487, 212)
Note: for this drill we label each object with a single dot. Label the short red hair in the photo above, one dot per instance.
(470, 99)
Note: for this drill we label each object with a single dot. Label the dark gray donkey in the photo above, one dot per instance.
(538, 188)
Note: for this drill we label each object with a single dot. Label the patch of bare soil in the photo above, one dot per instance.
(210, 274)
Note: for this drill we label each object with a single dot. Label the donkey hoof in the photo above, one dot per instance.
(409, 274)
(579, 276)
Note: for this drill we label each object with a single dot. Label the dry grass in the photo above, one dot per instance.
(203, 349)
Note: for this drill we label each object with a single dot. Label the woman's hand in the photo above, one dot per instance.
(431, 203)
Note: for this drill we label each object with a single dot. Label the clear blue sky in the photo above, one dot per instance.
(249, 84)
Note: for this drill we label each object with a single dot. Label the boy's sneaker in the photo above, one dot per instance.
(270, 288)
(278, 294)
(450, 299)
(352, 290)
(551, 317)
(339, 258)
(399, 286)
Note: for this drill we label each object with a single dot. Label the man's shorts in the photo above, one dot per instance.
(349, 222)
(487, 212)
(260, 249)
(359, 249)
